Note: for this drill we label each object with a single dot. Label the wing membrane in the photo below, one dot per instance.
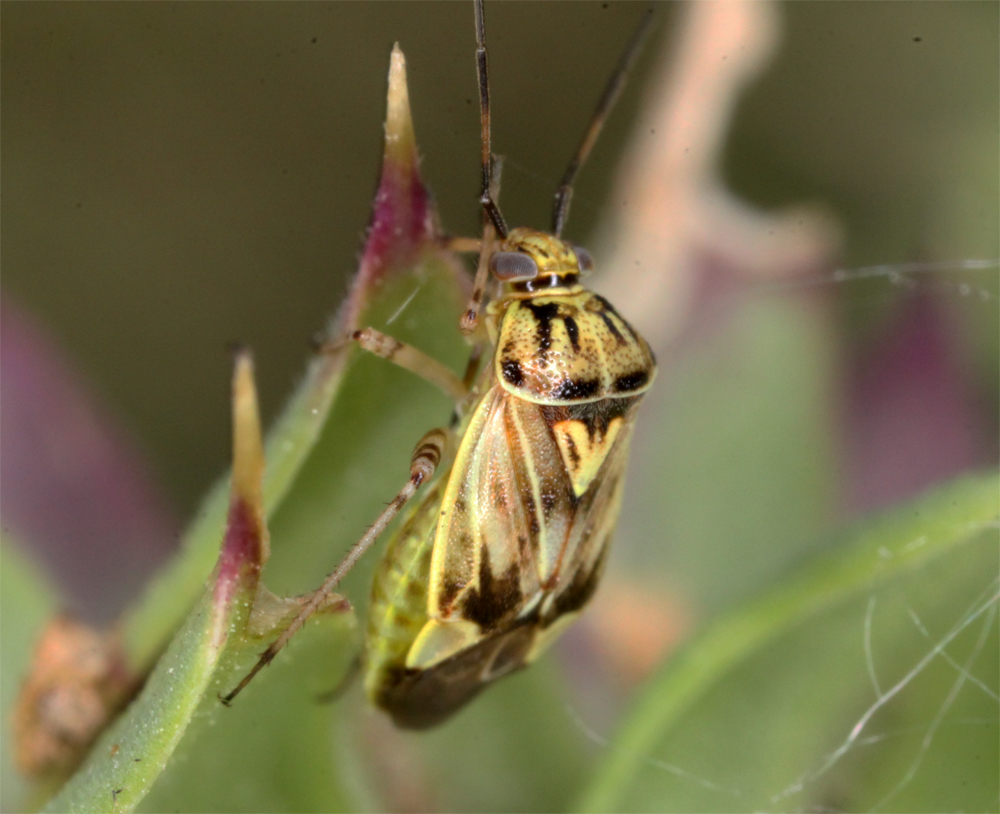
(514, 536)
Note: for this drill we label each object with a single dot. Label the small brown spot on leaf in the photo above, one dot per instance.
(76, 683)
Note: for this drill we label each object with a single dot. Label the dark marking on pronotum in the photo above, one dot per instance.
(612, 327)
(512, 372)
(544, 313)
(575, 389)
(607, 305)
(573, 332)
(611, 310)
(631, 381)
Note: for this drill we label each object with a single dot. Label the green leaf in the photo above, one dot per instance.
(271, 750)
(734, 456)
(339, 416)
(826, 691)
(403, 273)
(131, 754)
(129, 757)
(742, 508)
(512, 749)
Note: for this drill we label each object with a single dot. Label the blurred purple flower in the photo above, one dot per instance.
(912, 419)
(74, 490)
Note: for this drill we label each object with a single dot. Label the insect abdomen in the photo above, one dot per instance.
(398, 609)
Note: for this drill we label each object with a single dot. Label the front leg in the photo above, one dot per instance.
(408, 358)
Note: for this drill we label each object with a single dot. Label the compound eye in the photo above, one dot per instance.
(583, 259)
(513, 267)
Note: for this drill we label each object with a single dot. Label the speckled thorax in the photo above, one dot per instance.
(567, 347)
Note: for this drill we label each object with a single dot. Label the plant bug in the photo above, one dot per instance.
(508, 543)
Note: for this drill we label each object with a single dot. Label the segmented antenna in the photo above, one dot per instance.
(486, 196)
(564, 195)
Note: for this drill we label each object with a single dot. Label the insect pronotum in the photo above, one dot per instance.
(508, 543)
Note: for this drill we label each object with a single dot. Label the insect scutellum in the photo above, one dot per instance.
(508, 542)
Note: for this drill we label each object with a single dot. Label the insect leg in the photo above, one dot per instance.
(408, 358)
(472, 366)
(470, 319)
(426, 457)
(461, 244)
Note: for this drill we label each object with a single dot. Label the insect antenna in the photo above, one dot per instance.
(564, 194)
(493, 222)
(482, 71)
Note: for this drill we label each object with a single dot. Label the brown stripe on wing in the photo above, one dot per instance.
(543, 484)
(486, 542)
(593, 527)
(493, 600)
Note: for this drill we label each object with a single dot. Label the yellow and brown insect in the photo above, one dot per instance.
(508, 543)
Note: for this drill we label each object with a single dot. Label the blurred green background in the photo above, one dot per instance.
(177, 176)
